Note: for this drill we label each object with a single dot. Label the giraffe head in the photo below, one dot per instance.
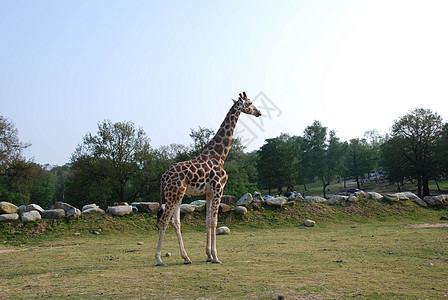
(244, 105)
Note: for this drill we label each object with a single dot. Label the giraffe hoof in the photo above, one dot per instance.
(188, 262)
(208, 260)
(216, 262)
(159, 264)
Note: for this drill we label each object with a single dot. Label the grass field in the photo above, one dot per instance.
(370, 250)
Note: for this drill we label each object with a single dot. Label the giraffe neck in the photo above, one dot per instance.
(219, 145)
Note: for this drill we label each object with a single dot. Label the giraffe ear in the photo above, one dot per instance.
(234, 101)
(244, 93)
(241, 96)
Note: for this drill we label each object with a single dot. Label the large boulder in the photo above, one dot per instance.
(93, 210)
(436, 201)
(199, 204)
(73, 213)
(241, 210)
(5, 218)
(246, 200)
(316, 199)
(337, 200)
(223, 230)
(223, 208)
(8, 208)
(258, 199)
(298, 197)
(187, 208)
(119, 210)
(361, 195)
(375, 196)
(30, 216)
(53, 213)
(413, 197)
(64, 206)
(276, 201)
(309, 223)
(227, 199)
(31, 207)
(390, 198)
(148, 207)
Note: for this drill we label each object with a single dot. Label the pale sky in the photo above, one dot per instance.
(65, 66)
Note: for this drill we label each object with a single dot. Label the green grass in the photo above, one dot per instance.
(366, 250)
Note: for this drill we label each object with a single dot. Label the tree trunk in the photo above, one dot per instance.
(438, 187)
(324, 185)
(269, 191)
(419, 185)
(398, 187)
(357, 183)
(425, 182)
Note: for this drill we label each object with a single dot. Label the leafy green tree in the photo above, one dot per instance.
(359, 159)
(396, 165)
(11, 148)
(420, 132)
(113, 165)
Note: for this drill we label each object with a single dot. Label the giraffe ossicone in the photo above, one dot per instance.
(202, 175)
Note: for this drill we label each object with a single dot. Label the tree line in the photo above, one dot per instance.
(118, 164)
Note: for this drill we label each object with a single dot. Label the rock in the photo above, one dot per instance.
(352, 198)
(93, 210)
(228, 199)
(436, 201)
(8, 208)
(375, 196)
(121, 204)
(299, 197)
(30, 216)
(413, 197)
(241, 210)
(31, 207)
(21, 208)
(53, 213)
(277, 201)
(291, 203)
(5, 218)
(73, 213)
(316, 199)
(267, 197)
(245, 200)
(119, 210)
(223, 230)
(148, 207)
(199, 204)
(168, 254)
(391, 198)
(258, 199)
(337, 200)
(309, 223)
(77, 234)
(223, 208)
(88, 206)
(64, 206)
(187, 208)
(361, 195)
(140, 243)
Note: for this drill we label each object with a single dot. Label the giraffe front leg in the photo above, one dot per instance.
(208, 225)
(164, 222)
(213, 223)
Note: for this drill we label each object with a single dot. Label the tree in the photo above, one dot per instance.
(359, 159)
(11, 147)
(114, 165)
(396, 165)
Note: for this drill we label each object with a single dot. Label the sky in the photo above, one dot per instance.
(172, 66)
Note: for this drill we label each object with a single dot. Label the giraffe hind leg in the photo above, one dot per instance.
(176, 225)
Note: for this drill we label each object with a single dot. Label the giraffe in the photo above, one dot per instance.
(204, 174)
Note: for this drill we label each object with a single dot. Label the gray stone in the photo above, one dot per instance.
(375, 196)
(73, 213)
(276, 201)
(361, 195)
(88, 206)
(436, 201)
(299, 197)
(413, 197)
(391, 198)
(53, 213)
(148, 207)
(199, 204)
(223, 208)
(119, 210)
(31, 207)
(223, 230)
(186, 208)
(309, 223)
(316, 199)
(228, 199)
(258, 199)
(93, 210)
(337, 200)
(246, 200)
(64, 206)
(291, 203)
(241, 210)
(8, 208)
(5, 218)
(352, 198)
(30, 216)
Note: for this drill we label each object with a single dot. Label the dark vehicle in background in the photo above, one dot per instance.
(351, 191)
